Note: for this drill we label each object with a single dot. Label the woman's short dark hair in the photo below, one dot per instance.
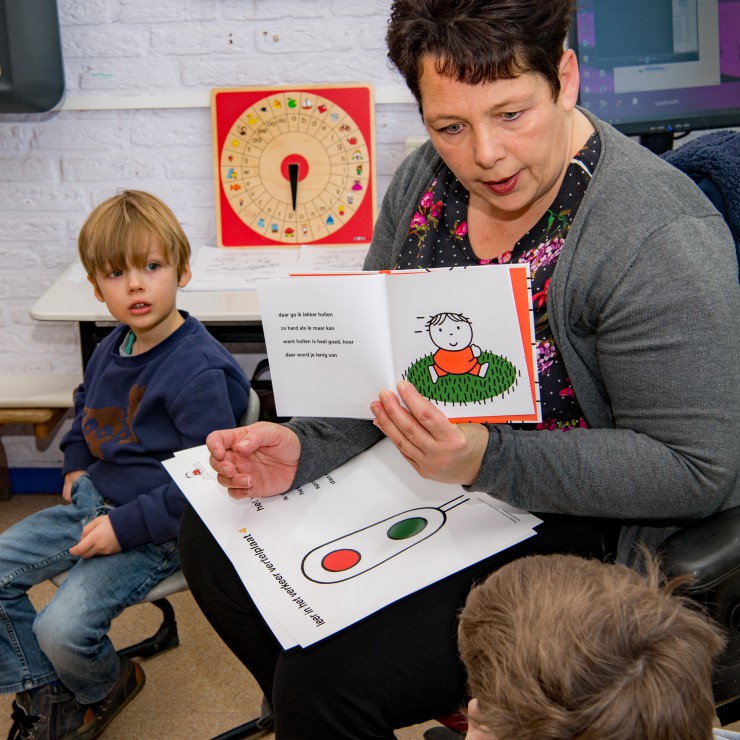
(479, 40)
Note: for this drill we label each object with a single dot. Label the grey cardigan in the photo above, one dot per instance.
(644, 305)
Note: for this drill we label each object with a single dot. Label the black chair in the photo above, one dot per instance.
(166, 637)
(712, 161)
(709, 551)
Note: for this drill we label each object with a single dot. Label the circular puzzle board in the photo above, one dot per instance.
(294, 165)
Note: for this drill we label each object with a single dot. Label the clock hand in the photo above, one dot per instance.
(293, 174)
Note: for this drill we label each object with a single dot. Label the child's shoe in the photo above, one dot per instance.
(100, 714)
(45, 713)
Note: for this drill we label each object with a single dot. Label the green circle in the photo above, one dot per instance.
(407, 528)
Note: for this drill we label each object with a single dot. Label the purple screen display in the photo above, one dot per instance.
(696, 53)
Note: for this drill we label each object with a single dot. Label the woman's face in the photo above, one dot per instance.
(508, 142)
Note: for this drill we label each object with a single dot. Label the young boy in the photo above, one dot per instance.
(158, 383)
(558, 647)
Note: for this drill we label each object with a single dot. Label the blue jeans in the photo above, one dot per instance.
(67, 640)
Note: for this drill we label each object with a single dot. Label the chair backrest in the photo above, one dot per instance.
(709, 551)
(253, 409)
(712, 161)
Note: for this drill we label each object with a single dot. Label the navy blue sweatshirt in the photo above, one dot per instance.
(132, 412)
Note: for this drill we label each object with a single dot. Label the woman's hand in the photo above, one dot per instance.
(438, 449)
(69, 479)
(255, 461)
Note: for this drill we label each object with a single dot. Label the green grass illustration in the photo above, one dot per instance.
(463, 389)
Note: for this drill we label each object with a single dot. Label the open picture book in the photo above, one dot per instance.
(464, 337)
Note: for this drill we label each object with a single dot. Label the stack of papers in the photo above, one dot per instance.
(238, 269)
(323, 556)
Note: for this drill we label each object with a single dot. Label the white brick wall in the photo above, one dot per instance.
(130, 67)
(138, 75)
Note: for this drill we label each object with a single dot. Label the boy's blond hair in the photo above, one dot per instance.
(560, 647)
(118, 233)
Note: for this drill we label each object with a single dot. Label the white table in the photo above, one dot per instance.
(230, 316)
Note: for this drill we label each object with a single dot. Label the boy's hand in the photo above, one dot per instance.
(255, 461)
(98, 538)
(436, 448)
(69, 479)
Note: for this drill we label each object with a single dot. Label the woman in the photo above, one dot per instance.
(636, 306)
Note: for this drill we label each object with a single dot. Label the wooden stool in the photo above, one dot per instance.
(40, 400)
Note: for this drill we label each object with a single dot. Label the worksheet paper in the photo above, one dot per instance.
(335, 258)
(463, 337)
(332, 552)
(239, 269)
(242, 268)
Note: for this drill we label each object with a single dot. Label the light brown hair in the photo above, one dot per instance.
(478, 41)
(118, 231)
(558, 647)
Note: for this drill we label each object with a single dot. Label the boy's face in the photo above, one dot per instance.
(451, 335)
(144, 298)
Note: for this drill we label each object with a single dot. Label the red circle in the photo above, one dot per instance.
(339, 560)
(302, 163)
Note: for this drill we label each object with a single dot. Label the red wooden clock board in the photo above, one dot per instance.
(294, 164)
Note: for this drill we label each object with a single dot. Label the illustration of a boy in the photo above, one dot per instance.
(452, 333)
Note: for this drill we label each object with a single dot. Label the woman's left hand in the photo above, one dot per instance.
(438, 449)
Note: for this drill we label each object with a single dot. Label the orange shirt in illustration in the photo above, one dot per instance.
(456, 362)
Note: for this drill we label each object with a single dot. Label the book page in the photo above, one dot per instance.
(464, 338)
(330, 553)
(328, 343)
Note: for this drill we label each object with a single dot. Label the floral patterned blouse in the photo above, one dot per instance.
(438, 237)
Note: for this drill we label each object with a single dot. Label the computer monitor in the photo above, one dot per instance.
(31, 68)
(657, 68)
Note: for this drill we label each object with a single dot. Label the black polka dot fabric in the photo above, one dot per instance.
(438, 237)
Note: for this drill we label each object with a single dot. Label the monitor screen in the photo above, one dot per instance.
(659, 67)
(31, 68)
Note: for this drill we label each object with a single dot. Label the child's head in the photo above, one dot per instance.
(561, 647)
(450, 331)
(119, 233)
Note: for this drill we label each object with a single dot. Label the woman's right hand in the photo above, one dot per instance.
(255, 461)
